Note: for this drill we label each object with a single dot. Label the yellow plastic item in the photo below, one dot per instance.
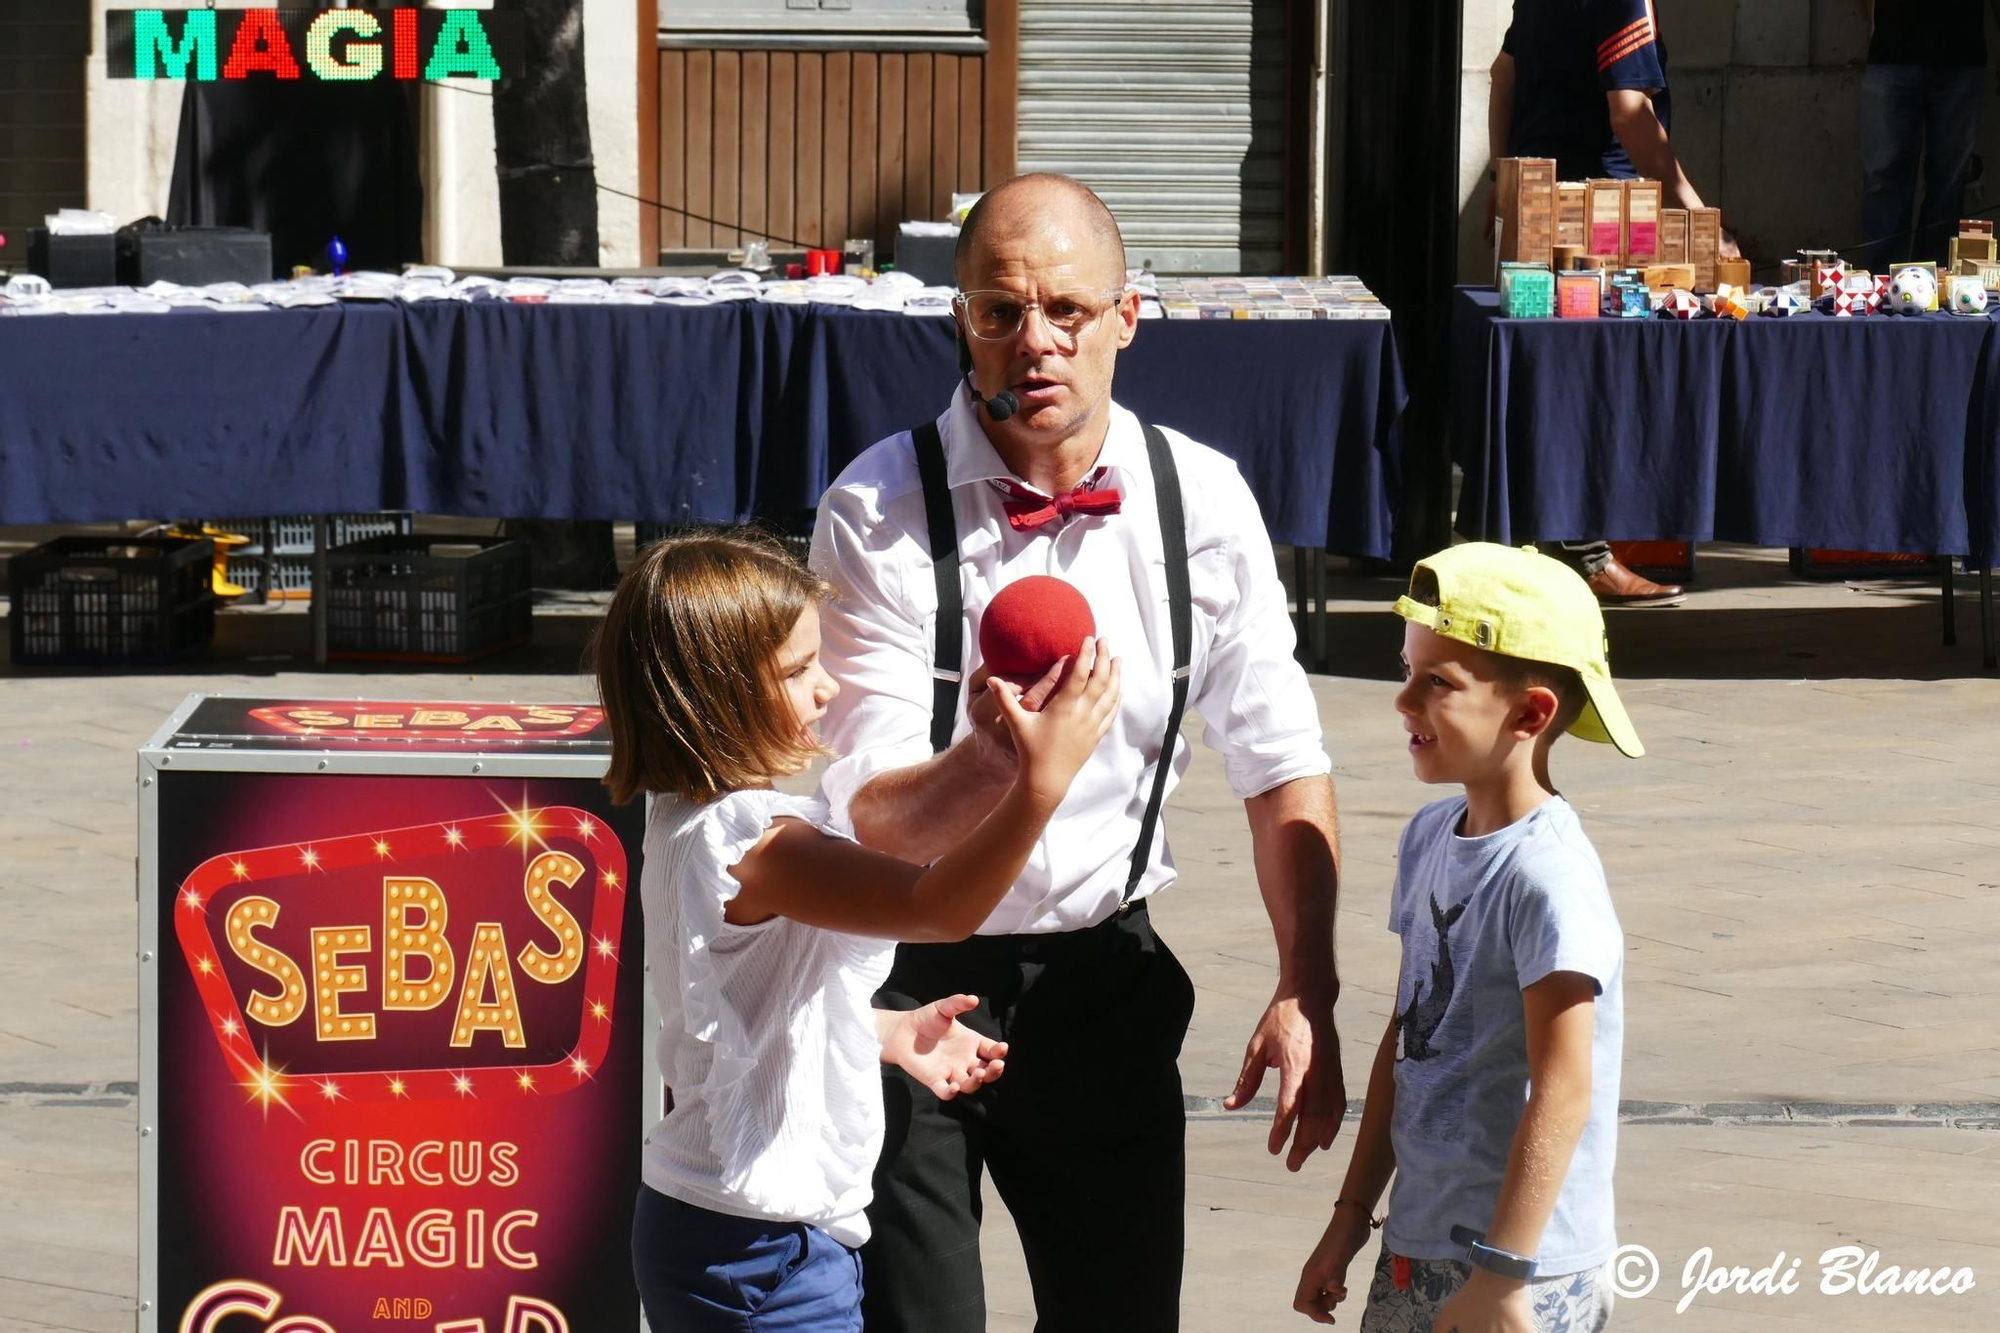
(218, 579)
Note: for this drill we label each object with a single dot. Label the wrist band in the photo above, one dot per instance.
(1479, 1254)
(1374, 1223)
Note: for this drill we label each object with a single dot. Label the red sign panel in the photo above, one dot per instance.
(399, 1055)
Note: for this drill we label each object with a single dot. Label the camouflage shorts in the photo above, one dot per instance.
(1572, 1303)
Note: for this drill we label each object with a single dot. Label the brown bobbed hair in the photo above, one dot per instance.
(686, 664)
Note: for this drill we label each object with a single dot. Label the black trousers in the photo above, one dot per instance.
(1587, 557)
(1085, 1134)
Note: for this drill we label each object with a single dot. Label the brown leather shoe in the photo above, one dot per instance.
(1615, 585)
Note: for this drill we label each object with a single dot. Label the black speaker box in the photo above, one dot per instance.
(73, 261)
(193, 256)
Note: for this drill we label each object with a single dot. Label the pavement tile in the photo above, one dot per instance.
(1804, 866)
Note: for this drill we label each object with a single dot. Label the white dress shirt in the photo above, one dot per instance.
(878, 638)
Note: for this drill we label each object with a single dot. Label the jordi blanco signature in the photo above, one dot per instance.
(1844, 1270)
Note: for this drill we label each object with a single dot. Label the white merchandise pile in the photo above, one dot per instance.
(26, 294)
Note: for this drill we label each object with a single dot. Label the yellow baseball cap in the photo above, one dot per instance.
(1517, 602)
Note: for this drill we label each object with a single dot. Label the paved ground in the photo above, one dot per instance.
(1806, 867)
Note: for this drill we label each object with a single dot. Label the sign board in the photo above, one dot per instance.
(323, 45)
(392, 1060)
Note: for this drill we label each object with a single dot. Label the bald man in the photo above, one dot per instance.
(1034, 469)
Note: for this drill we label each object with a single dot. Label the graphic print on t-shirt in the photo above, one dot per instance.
(1434, 1023)
(1417, 1024)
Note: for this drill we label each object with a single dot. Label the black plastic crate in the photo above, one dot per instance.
(264, 577)
(102, 601)
(292, 533)
(277, 561)
(428, 599)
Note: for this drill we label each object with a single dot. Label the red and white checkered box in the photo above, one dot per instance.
(1858, 295)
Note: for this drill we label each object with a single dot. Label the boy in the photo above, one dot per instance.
(1494, 1095)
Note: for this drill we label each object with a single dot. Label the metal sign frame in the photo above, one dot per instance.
(159, 761)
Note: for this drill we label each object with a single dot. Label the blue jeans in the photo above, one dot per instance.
(706, 1272)
(1908, 113)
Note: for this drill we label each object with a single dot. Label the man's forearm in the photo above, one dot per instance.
(1295, 839)
(1500, 110)
(921, 812)
(1645, 141)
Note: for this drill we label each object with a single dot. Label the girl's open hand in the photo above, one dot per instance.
(938, 1051)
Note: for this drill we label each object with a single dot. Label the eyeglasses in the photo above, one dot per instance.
(991, 316)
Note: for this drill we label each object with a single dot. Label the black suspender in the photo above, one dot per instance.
(1180, 605)
(947, 670)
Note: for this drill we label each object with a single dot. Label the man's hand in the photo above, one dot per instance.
(1727, 248)
(1487, 1303)
(1492, 212)
(990, 737)
(991, 740)
(1296, 1036)
(1323, 1280)
(938, 1051)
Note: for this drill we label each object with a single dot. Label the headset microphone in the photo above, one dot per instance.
(1000, 406)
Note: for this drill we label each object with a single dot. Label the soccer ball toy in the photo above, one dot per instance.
(1912, 291)
(1030, 624)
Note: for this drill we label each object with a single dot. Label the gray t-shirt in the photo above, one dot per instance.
(1481, 919)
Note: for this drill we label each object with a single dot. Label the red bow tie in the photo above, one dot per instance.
(1028, 509)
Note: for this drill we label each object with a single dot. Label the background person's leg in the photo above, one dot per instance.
(1614, 584)
(1588, 557)
(1952, 105)
(1892, 127)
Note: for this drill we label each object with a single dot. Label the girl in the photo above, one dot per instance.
(767, 934)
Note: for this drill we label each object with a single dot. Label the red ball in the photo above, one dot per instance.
(1030, 624)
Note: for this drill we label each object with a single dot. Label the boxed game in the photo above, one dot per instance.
(1525, 202)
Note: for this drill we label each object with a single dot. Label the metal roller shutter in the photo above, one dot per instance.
(1174, 113)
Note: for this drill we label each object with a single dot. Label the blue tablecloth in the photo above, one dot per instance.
(198, 412)
(1307, 409)
(657, 413)
(1875, 434)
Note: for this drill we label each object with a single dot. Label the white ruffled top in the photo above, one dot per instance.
(767, 1036)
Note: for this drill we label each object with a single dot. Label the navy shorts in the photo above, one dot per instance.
(707, 1272)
